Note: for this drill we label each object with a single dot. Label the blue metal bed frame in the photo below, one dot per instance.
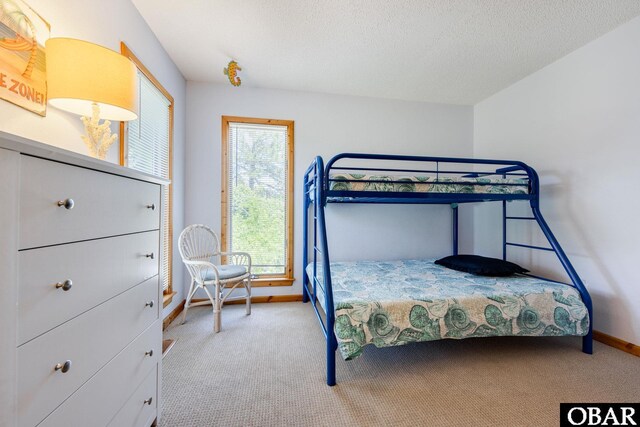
(318, 192)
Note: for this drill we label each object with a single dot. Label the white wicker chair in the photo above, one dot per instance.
(199, 249)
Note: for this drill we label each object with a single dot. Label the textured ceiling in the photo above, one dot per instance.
(449, 51)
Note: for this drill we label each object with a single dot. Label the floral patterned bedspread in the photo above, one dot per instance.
(425, 184)
(388, 303)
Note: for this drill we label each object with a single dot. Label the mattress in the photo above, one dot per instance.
(427, 184)
(397, 302)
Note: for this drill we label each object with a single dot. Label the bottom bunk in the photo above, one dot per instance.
(389, 303)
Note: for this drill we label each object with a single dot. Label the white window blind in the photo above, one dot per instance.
(147, 150)
(257, 195)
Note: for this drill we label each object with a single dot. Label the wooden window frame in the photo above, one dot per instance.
(287, 278)
(124, 50)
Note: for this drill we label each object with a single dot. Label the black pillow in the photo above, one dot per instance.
(481, 266)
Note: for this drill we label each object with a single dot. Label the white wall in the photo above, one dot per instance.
(105, 23)
(326, 125)
(577, 122)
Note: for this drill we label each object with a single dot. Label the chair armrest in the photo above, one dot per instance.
(199, 268)
(238, 258)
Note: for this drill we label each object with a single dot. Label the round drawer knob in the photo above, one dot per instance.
(150, 255)
(66, 285)
(148, 401)
(66, 203)
(63, 367)
(152, 206)
(149, 304)
(149, 353)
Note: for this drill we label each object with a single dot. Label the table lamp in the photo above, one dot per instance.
(95, 82)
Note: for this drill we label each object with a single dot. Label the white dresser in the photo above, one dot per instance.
(80, 300)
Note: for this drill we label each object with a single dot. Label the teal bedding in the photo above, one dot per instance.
(425, 184)
(389, 303)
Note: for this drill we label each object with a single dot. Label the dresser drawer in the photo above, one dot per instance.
(142, 407)
(89, 341)
(104, 204)
(97, 270)
(117, 387)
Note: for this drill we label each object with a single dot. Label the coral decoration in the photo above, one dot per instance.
(232, 71)
(98, 138)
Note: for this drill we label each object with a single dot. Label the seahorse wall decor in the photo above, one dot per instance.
(232, 72)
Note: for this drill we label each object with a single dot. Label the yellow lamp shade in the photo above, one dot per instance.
(80, 74)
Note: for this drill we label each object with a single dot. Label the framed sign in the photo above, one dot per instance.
(23, 72)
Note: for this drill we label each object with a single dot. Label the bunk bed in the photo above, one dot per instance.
(389, 303)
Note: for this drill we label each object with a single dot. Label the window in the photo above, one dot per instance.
(146, 144)
(257, 195)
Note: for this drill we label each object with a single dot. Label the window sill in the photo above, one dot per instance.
(270, 281)
(167, 298)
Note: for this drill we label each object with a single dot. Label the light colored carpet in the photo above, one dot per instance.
(268, 369)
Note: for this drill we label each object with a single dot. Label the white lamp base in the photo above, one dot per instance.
(98, 138)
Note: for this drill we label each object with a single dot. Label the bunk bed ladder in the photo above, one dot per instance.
(506, 243)
(315, 186)
(587, 340)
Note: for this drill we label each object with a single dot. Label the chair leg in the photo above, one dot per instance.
(217, 308)
(247, 286)
(187, 302)
(213, 304)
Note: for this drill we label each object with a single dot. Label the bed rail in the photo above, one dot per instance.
(441, 170)
(318, 192)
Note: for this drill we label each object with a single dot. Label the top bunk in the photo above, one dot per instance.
(382, 178)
